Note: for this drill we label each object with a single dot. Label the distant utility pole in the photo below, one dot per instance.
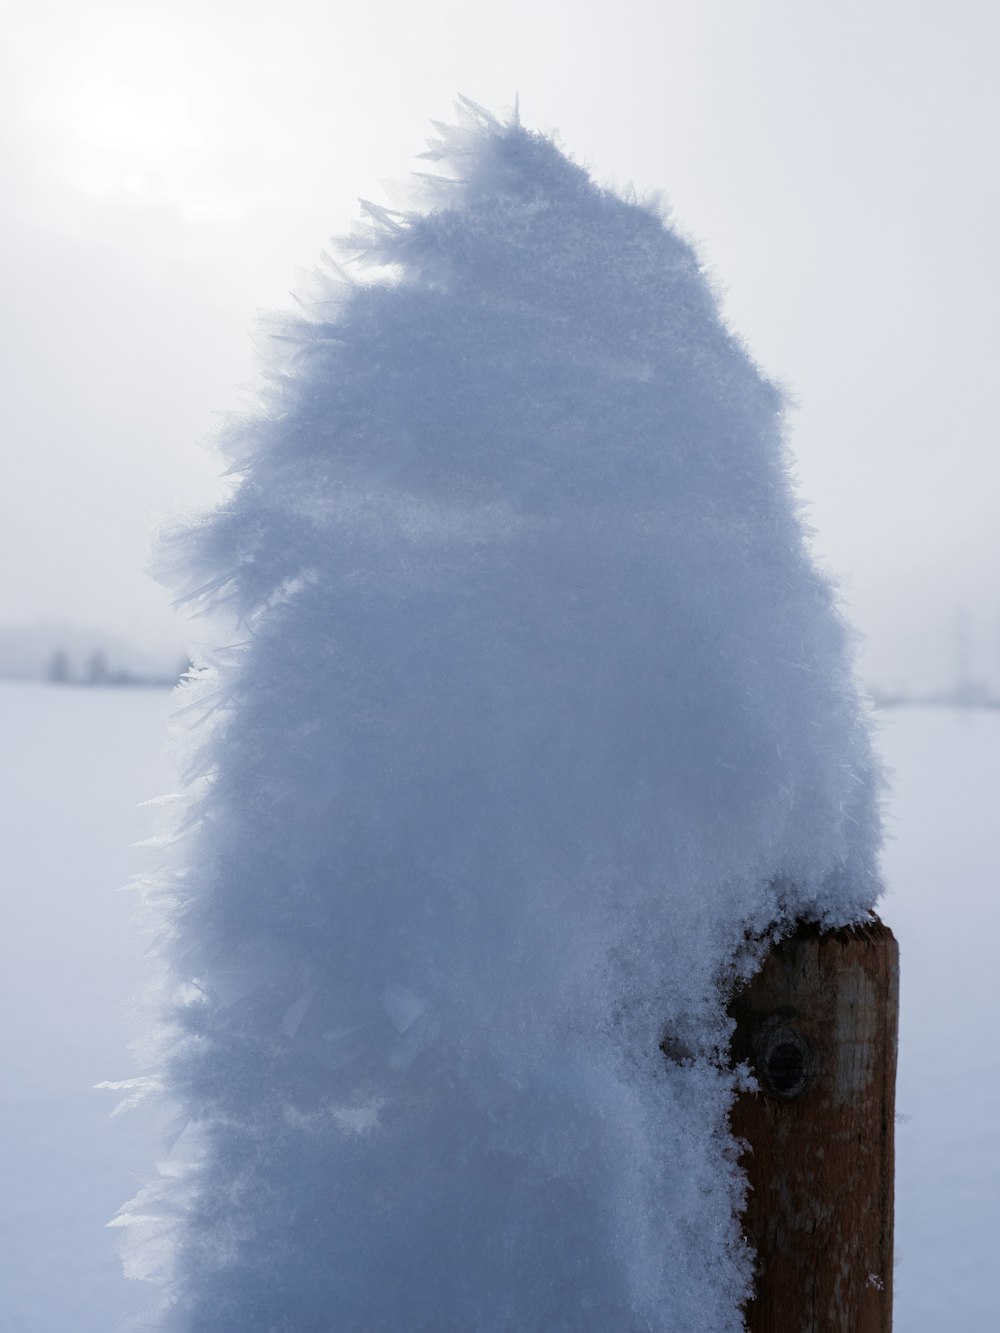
(965, 687)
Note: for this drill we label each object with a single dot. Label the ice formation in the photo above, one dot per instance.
(540, 719)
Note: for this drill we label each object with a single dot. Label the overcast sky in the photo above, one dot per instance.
(165, 168)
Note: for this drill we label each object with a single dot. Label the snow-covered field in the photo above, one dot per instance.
(943, 867)
(78, 762)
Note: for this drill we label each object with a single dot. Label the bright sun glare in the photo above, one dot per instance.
(129, 120)
(117, 119)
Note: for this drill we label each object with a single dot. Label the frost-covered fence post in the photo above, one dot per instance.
(530, 708)
(817, 1027)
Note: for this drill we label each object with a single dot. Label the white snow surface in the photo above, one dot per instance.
(537, 722)
(76, 763)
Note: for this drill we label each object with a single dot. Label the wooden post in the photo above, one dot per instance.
(817, 1027)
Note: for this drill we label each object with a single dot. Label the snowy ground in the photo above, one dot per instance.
(79, 761)
(944, 869)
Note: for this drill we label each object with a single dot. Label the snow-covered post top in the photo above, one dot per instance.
(540, 724)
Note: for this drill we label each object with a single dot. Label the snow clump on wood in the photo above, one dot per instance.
(537, 721)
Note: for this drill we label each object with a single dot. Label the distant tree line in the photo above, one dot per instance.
(97, 671)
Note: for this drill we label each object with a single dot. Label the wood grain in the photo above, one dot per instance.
(818, 1026)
